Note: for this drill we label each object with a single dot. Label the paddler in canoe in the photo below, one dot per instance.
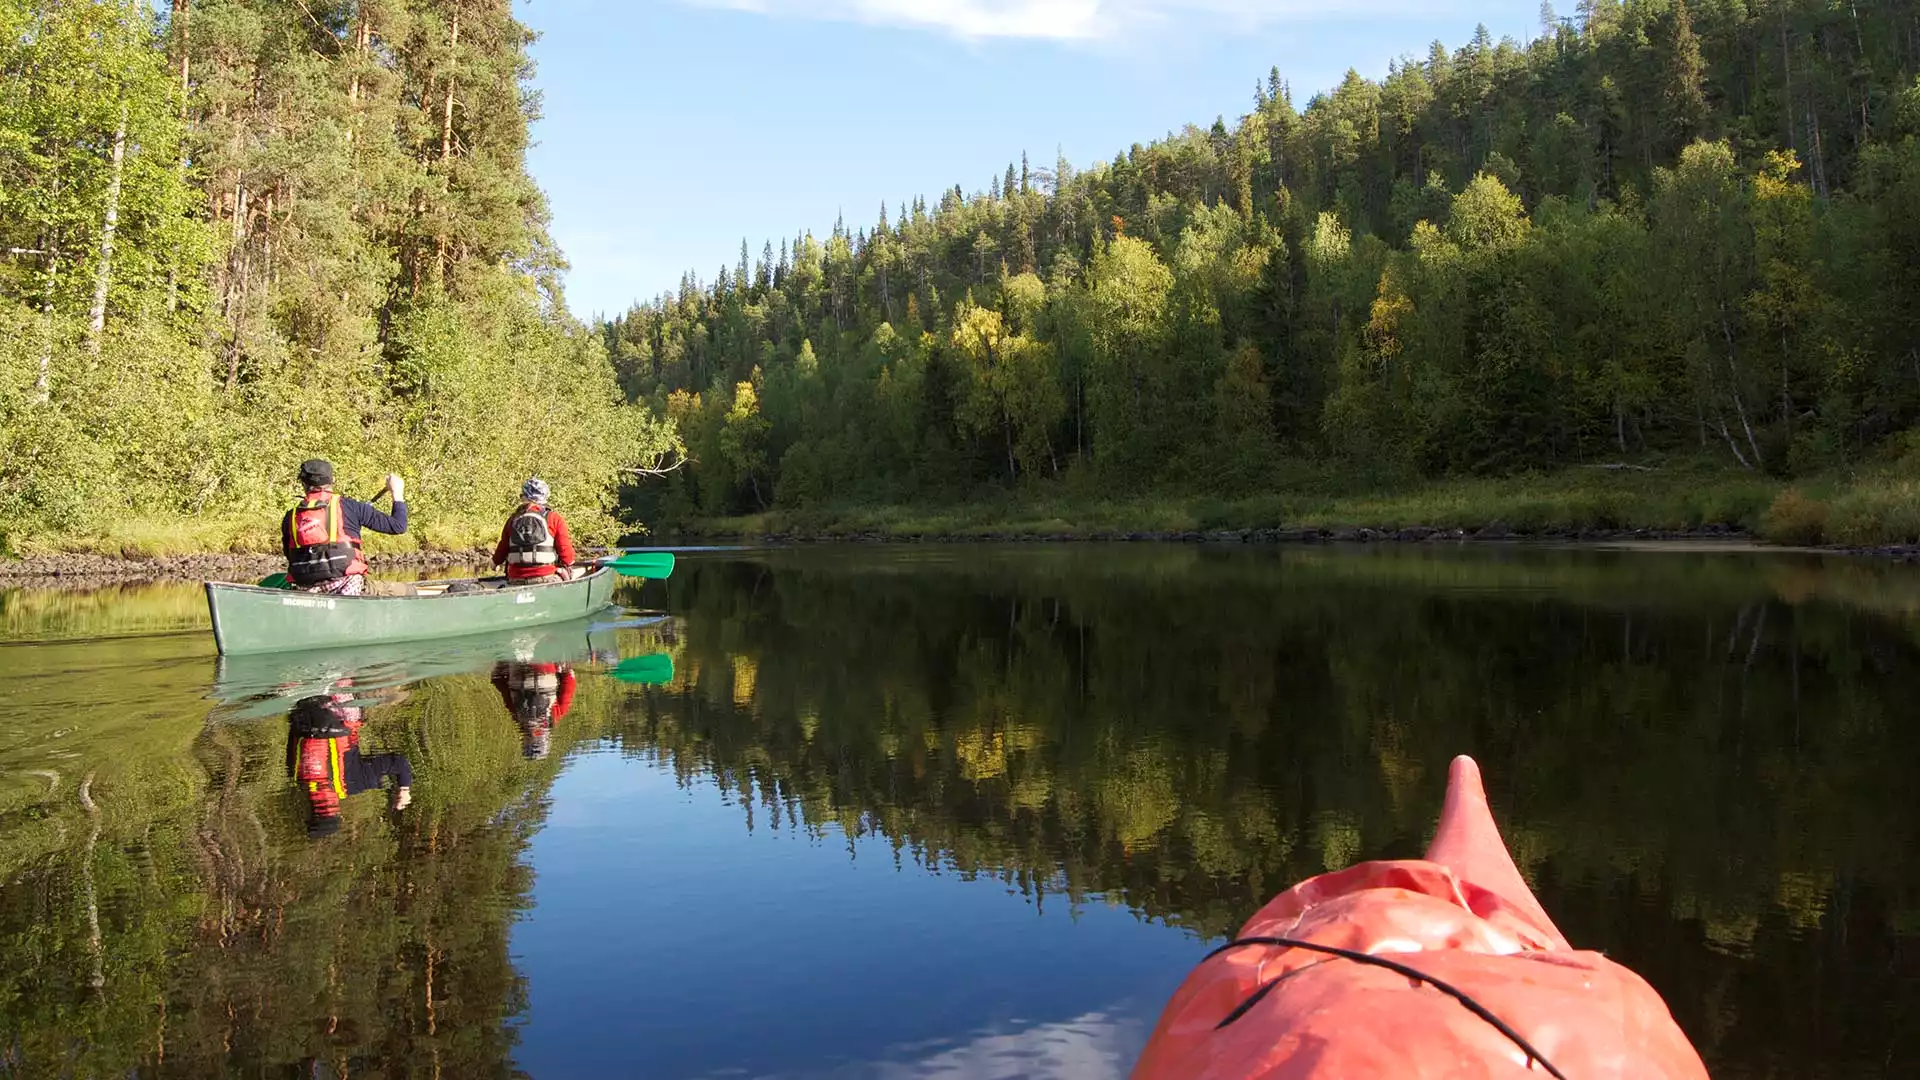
(1416, 969)
(321, 536)
(534, 544)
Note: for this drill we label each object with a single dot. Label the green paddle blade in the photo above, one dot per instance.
(643, 564)
(275, 581)
(652, 669)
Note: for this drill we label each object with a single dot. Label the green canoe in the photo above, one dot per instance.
(250, 619)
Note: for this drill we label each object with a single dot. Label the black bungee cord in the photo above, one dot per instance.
(1395, 966)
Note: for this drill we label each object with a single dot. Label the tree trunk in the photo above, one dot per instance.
(182, 20)
(1786, 388)
(43, 382)
(446, 116)
(1010, 473)
(446, 138)
(362, 39)
(182, 16)
(1733, 387)
(1733, 446)
(1080, 416)
(1819, 151)
(1786, 65)
(235, 299)
(103, 275)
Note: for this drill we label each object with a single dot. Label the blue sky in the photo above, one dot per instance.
(673, 128)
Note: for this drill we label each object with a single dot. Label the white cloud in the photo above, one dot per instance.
(1047, 20)
(1098, 1045)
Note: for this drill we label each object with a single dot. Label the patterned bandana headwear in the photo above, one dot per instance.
(534, 491)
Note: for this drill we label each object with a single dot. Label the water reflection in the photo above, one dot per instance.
(537, 696)
(254, 685)
(1704, 764)
(325, 760)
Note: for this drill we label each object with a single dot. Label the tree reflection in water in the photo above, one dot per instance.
(1704, 763)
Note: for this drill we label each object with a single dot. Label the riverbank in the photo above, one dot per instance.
(211, 567)
(1878, 514)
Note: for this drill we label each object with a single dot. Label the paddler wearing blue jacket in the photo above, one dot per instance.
(321, 536)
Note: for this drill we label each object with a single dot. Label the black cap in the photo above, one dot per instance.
(316, 472)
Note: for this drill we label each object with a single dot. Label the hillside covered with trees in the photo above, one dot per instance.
(1660, 231)
(238, 233)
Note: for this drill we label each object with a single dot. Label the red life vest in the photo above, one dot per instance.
(320, 774)
(321, 732)
(316, 542)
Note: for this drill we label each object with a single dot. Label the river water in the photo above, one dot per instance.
(938, 811)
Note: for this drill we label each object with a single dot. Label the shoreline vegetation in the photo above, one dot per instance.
(1879, 515)
(236, 234)
(1651, 269)
(1699, 503)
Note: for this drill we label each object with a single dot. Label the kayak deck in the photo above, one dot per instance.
(1419, 969)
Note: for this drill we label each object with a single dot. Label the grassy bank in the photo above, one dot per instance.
(151, 537)
(1876, 508)
(1873, 510)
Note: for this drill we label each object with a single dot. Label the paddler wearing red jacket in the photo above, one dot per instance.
(534, 543)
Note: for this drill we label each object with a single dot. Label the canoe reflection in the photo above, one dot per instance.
(248, 687)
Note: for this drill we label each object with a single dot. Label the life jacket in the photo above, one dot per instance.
(316, 542)
(534, 691)
(320, 737)
(530, 543)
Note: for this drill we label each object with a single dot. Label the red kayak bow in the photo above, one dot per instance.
(1418, 969)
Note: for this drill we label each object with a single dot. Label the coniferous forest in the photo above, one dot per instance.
(1661, 231)
(1665, 234)
(238, 233)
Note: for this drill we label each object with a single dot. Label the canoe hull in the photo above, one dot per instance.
(249, 619)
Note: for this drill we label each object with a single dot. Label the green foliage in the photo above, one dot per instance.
(1660, 230)
(1012, 388)
(258, 232)
(1332, 496)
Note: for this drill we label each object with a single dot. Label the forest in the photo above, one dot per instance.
(235, 234)
(1660, 233)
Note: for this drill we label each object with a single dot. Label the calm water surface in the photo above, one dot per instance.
(926, 811)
